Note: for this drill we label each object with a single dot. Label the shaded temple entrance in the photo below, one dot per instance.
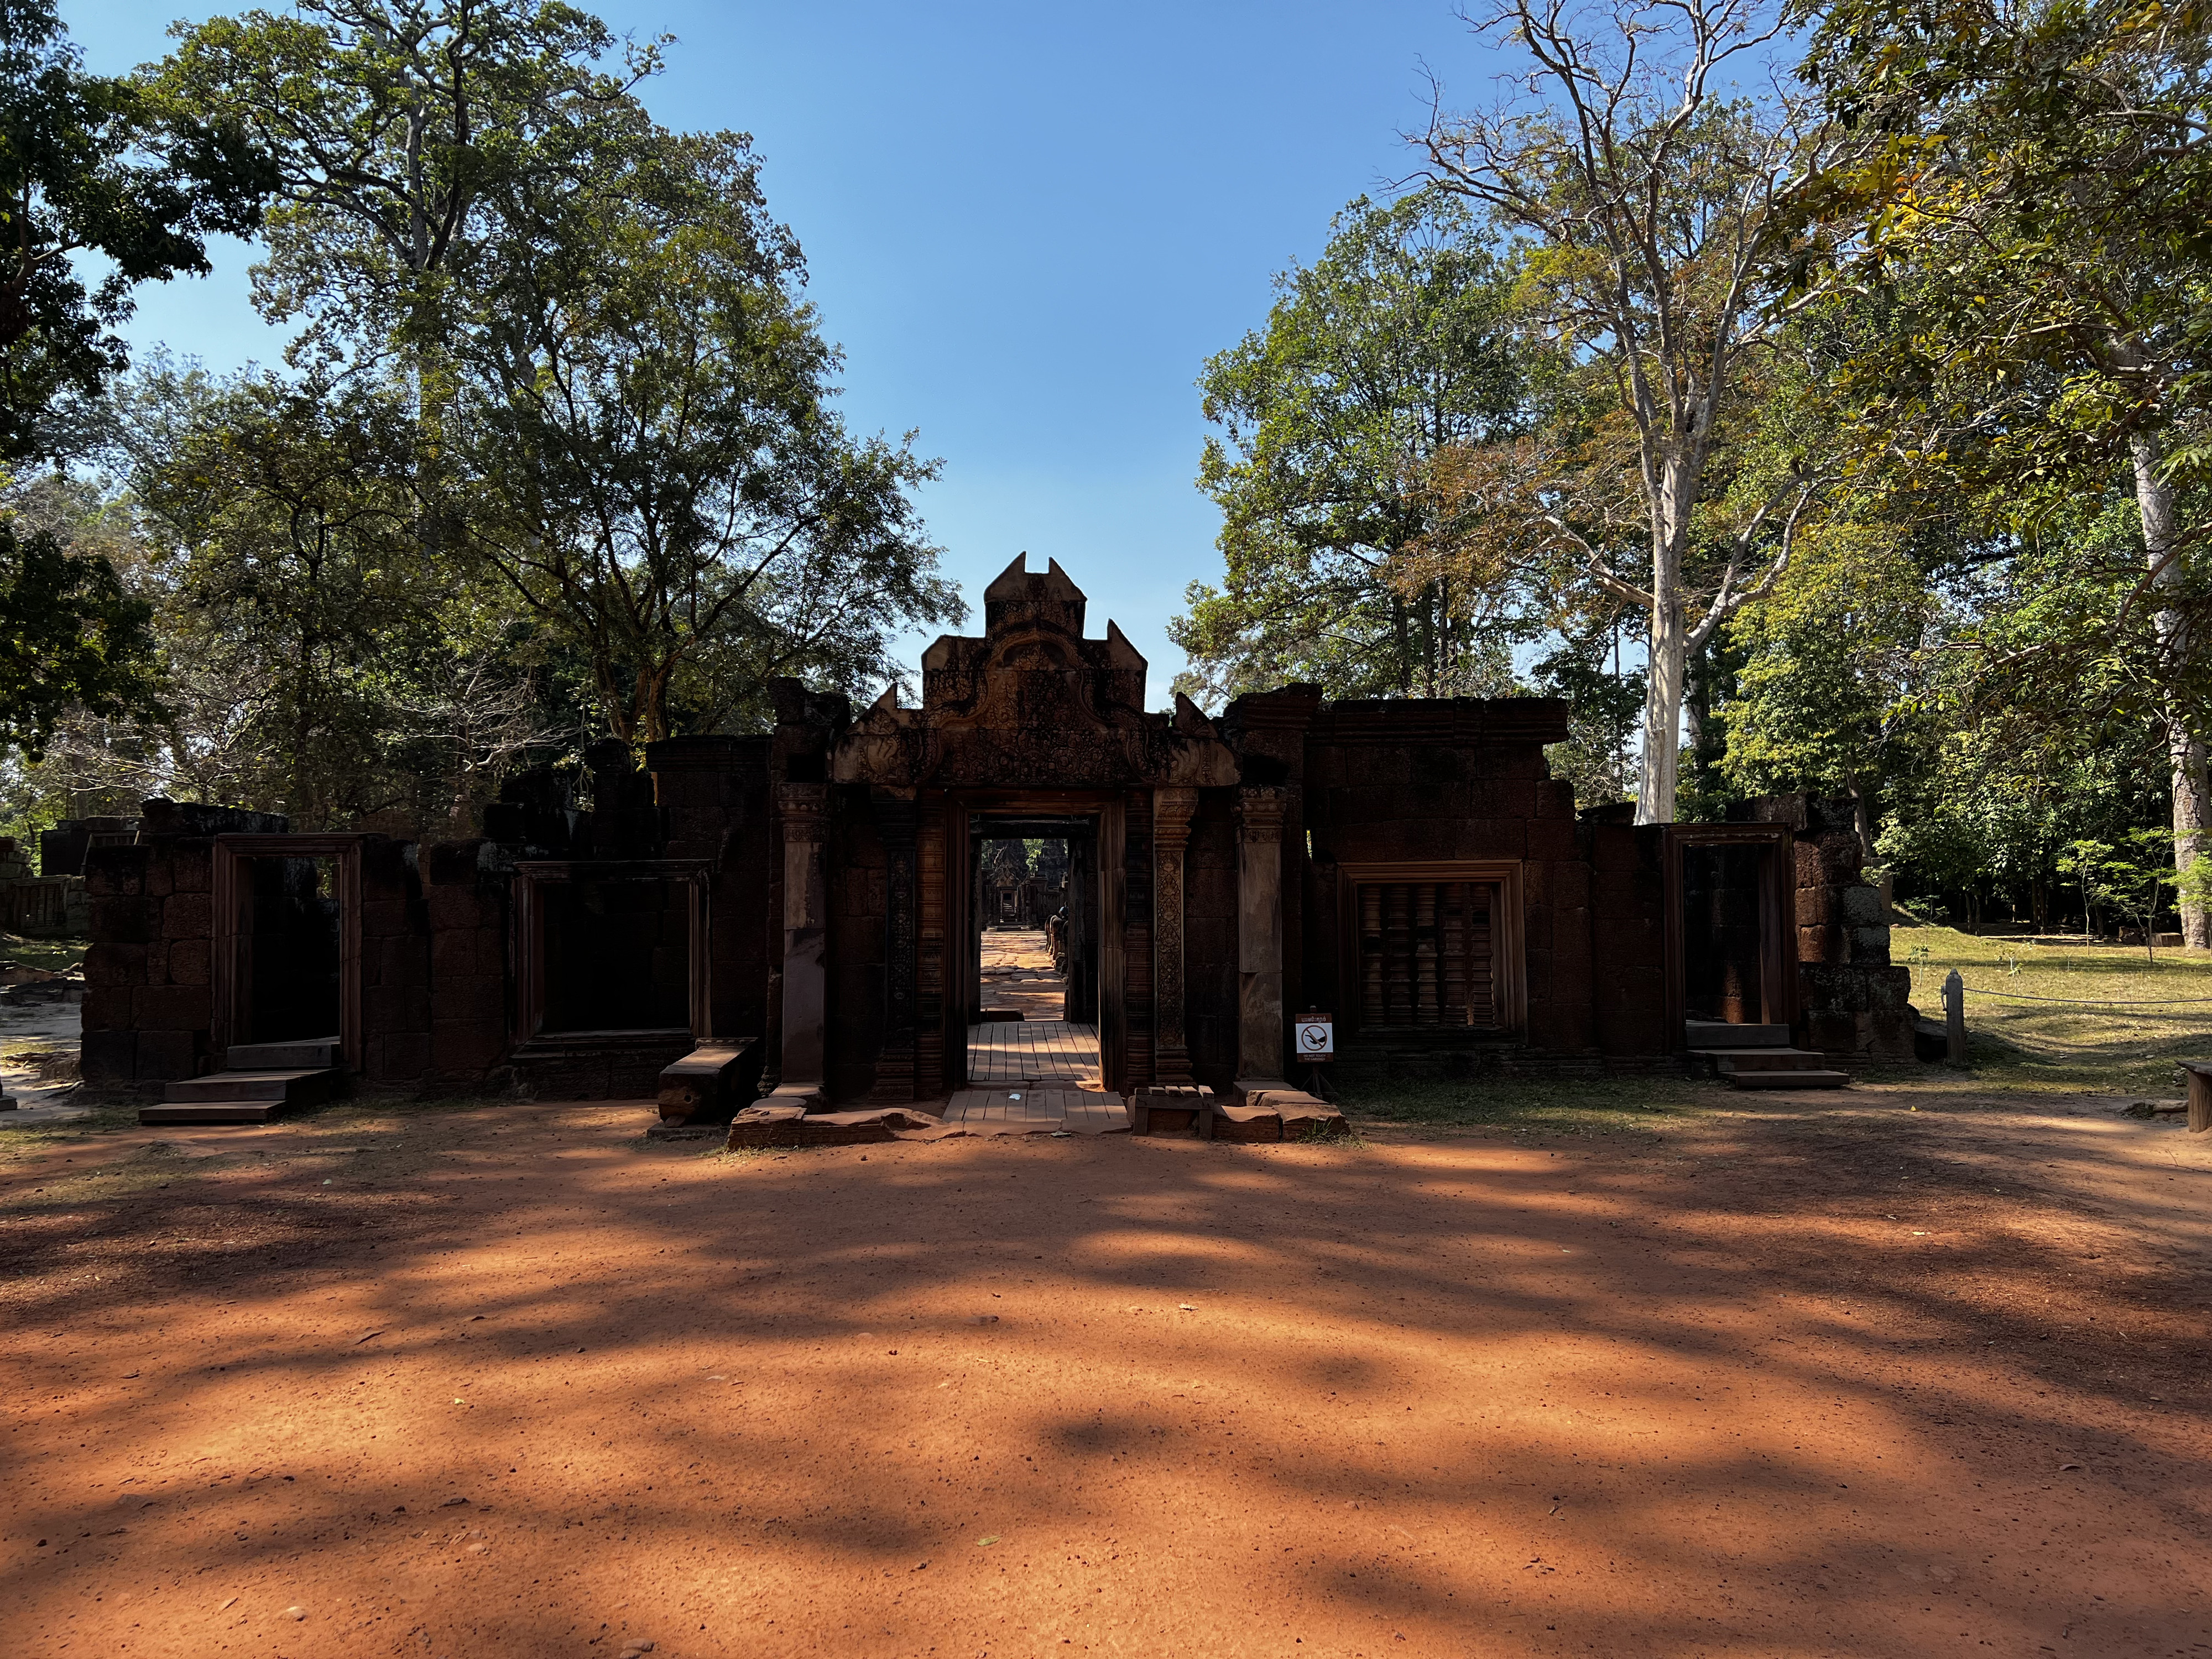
(1033, 991)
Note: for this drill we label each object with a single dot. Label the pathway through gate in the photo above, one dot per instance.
(1040, 1069)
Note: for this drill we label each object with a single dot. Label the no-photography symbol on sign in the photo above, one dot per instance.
(1316, 1036)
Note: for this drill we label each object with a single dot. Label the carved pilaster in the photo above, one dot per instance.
(802, 808)
(930, 947)
(1261, 1033)
(1171, 815)
(896, 819)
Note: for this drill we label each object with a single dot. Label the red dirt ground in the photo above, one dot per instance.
(512, 1382)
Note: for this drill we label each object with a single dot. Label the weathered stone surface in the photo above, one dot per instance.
(188, 916)
(703, 1084)
(1228, 1119)
(125, 921)
(116, 871)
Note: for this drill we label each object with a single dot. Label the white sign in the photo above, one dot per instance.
(1316, 1035)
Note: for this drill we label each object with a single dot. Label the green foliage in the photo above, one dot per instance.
(643, 446)
(89, 167)
(2131, 877)
(1392, 346)
(1603, 703)
(390, 125)
(69, 637)
(1828, 694)
(556, 435)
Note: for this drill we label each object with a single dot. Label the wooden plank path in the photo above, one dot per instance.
(1036, 1111)
(1018, 1051)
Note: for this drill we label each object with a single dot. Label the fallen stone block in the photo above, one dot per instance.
(1241, 1123)
(765, 1126)
(1307, 1117)
(1169, 1110)
(703, 1085)
(774, 1123)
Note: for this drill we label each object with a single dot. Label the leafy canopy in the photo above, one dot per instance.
(1393, 346)
(89, 167)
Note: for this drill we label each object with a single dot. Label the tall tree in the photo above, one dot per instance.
(2037, 212)
(71, 638)
(646, 450)
(1390, 348)
(1646, 192)
(89, 167)
(282, 506)
(388, 122)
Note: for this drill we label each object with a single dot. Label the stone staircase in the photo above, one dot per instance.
(1757, 1057)
(261, 1081)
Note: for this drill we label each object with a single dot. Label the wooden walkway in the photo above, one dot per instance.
(1002, 1052)
(1037, 1111)
(1035, 1075)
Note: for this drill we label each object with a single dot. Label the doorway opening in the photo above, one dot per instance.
(287, 942)
(289, 950)
(1721, 890)
(1726, 929)
(1033, 936)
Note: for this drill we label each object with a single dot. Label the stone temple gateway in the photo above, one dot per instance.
(788, 926)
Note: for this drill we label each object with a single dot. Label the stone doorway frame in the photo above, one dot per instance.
(226, 890)
(956, 955)
(1778, 966)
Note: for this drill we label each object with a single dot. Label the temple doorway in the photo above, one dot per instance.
(1033, 1018)
(1726, 930)
(286, 963)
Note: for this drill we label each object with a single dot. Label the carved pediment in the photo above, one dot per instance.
(1032, 704)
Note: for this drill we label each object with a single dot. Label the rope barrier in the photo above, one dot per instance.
(2093, 1002)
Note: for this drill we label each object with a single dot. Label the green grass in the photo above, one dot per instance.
(1553, 1105)
(50, 954)
(2042, 1047)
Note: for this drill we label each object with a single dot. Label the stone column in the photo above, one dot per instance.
(805, 935)
(896, 817)
(1260, 1032)
(1171, 815)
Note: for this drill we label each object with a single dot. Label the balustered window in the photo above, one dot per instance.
(1431, 946)
(1426, 954)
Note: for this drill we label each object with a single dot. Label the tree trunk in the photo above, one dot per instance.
(2186, 748)
(1673, 484)
(1662, 691)
(1863, 823)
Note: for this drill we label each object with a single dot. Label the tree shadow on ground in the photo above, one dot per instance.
(1649, 1393)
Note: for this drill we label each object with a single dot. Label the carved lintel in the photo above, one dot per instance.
(1172, 809)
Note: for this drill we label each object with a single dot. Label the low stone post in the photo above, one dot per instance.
(1954, 1018)
(805, 936)
(1260, 1029)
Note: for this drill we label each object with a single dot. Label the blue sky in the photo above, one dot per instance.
(1027, 226)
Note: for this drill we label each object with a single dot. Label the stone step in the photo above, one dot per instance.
(1805, 1079)
(303, 1054)
(1725, 1060)
(1713, 1033)
(301, 1087)
(213, 1111)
